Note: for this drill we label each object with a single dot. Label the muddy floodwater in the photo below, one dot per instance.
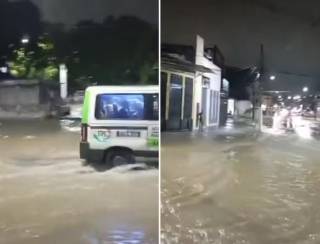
(237, 186)
(48, 195)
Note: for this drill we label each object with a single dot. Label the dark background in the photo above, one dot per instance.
(72, 11)
(289, 30)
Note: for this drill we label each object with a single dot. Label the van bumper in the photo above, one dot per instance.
(90, 154)
(97, 155)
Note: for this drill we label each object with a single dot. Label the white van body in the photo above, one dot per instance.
(120, 121)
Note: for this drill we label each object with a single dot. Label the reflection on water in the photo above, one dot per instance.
(119, 237)
(233, 187)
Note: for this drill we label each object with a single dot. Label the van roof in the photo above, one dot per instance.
(105, 89)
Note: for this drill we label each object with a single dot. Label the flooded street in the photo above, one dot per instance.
(237, 186)
(48, 195)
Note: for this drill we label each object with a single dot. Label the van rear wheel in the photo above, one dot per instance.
(119, 157)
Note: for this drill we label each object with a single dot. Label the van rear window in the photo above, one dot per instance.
(127, 107)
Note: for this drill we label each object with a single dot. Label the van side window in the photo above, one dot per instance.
(127, 107)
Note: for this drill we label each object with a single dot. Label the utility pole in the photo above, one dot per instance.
(257, 90)
(63, 72)
(256, 86)
(261, 61)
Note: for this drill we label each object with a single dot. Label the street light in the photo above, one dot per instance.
(25, 40)
(305, 89)
(272, 77)
(4, 69)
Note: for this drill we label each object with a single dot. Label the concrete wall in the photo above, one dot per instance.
(16, 95)
(24, 98)
(241, 106)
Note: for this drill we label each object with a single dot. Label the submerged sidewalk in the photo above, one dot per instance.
(232, 129)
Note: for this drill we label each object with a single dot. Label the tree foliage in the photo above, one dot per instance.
(36, 63)
(116, 51)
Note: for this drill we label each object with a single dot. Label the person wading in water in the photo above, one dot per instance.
(200, 119)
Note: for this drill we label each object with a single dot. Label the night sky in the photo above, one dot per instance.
(289, 30)
(71, 11)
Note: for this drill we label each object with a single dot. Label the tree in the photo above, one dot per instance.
(120, 50)
(37, 63)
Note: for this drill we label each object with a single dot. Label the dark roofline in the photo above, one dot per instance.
(187, 51)
(176, 64)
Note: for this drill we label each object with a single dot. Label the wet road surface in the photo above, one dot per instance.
(48, 195)
(237, 186)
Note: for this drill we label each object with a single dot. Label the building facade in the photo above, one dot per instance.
(190, 89)
(224, 97)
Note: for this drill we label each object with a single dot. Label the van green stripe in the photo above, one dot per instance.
(85, 108)
(153, 141)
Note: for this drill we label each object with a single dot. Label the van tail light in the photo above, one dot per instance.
(84, 132)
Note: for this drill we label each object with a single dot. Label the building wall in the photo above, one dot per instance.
(197, 94)
(241, 106)
(224, 95)
(212, 104)
(19, 95)
(267, 100)
(26, 98)
(231, 106)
